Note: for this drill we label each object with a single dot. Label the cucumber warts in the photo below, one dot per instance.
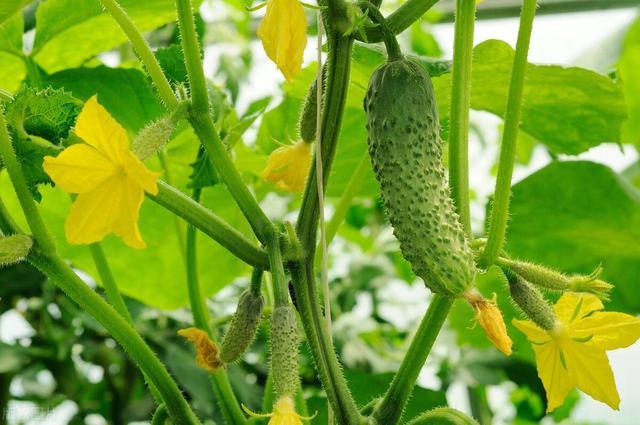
(243, 326)
(406, 154)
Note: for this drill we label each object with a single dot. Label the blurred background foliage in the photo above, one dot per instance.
(572, 215)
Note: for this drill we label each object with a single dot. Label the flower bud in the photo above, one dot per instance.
(530, 301)
(284, 351)
(14, 248)
(243, 326)
(551, 279)
(443, 416)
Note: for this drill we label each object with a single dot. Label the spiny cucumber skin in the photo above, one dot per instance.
(406, 154)
(284, 351)
(243, 326)
(443, 416)
(531, 302)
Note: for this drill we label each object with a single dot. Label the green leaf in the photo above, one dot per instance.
(125, 93)
(203, 174)
(13, 71)
(172, 63)
(11, 34)
(594, 219)
(568, 109)
(68, 32)
(628, 66)
(38, 121)
(9, 8)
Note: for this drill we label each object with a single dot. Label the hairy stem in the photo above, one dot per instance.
(460, 104)
(500, 209)
(220, 384)
(144, 52)
(390, 408)
(108, 281)
(37, 226)
(401, 19)
(203, 125)
(210, 224)
(117, 326)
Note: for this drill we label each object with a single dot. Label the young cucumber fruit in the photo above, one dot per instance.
(406, 154)
(243, 326)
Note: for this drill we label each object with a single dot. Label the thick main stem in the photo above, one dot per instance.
(89, 301)
(210, 224)
(203, 125)
(460, 104)
(143, 50)
(344, 408)
(500, 209)
(390, 408)
(400, 19)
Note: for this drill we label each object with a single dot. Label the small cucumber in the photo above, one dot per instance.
(243, 326)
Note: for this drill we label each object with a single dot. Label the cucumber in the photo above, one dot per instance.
(243, 326)
(285, 343)
(406, 154)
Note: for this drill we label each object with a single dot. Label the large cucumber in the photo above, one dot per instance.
(406, 154)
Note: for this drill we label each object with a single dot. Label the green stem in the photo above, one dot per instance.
(500, 209)
(256, 281)
(193, 61)
(338, 66)
(392, 405)
(89, 301)
(33, 73)
(144, 52)
(160, 416)
(210, 224)
(108, 281)
(355, 183)
(199, 309)
(204, 127)
(390, 42)
(164, 163)
(460, 104)
(37, 226)
(280, 287)
(401, 19)
(219, 381)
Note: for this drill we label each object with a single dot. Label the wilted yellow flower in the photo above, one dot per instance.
(109, 179)
(288, 166)
(283, 32)
(573, 354)
(489, 317)
(207, 354)
(284, 413)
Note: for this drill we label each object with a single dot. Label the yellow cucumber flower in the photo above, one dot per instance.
(109, 179)
(283, 32)
(288, 166)
(489, 317)
(573, 354)
(284, 413)
(207, 353)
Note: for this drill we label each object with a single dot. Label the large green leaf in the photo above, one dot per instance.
(11, 34)
(568, 109)
(70, 31)
(628, 67)
(126, 93)
(576, 215)
(9, 8)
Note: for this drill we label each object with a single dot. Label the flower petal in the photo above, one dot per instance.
(534, 334)
(140, 174)
(593, 372)
(610, 330)
(112, 207)
(283, 32)
(99, 129)
(572, 306)
(79, 168)
(557, 379)
(288, 166)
